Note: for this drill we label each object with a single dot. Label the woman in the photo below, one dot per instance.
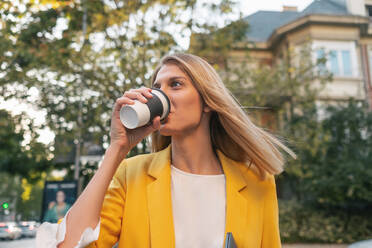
(211, 172)
(57, 210)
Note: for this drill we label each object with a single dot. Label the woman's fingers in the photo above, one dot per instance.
(140, 94)
(144, 91)
(135, 95)
(156, 123)
(122, 101)
(128, 98)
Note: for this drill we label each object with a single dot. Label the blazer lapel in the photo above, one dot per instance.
(236, 203)
(159, 201)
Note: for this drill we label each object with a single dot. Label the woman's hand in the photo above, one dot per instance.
(51, 204)
(128, 138)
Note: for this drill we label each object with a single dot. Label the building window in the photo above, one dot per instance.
(346, 63)
(341, 57)
(340, 63)
(322, 68)
(369, 10)
(333, 60)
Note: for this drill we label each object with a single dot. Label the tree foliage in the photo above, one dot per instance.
(333, 169)
(20, 154)
(342, 176)
(331, 180)
(82, 55)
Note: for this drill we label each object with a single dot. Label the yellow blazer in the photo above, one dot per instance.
(137, 209)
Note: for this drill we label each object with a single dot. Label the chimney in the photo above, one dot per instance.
(287, 8)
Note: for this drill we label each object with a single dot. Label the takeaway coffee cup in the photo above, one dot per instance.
(140, 114)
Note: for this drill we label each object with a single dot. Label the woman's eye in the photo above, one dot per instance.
(156, 86)
(175, 84)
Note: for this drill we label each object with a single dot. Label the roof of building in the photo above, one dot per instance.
(263, 23)
(325, 7)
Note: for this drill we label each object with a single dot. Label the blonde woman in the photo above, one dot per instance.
(211, 172)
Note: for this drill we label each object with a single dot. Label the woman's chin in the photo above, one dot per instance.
(167, 130)
(164, 131)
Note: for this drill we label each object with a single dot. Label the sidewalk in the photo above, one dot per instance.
(314, 246)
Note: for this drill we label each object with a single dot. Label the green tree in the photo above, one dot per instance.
(342, 176)
(331, 178)
(82, 55)
(23, 198)
(10, 189)
(29, 201)
(24, 162)
(19, 156)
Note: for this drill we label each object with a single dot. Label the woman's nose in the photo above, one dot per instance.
(167, 93)
(164, 90)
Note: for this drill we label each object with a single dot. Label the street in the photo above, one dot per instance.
(21, 243)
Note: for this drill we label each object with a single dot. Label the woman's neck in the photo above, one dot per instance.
(194, 154)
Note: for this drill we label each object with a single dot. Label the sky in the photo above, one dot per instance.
(247, 7)
(250, 6)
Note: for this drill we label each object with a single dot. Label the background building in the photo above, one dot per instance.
(340, 28)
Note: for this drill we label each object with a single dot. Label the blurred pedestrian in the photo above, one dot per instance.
(57, 209)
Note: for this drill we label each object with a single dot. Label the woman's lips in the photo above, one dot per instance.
(166, 119)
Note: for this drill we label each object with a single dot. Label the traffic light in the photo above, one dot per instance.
(5, 205)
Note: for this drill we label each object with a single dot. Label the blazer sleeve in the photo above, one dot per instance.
(270, 234)
(112, 211)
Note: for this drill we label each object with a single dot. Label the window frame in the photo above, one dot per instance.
(339, 47)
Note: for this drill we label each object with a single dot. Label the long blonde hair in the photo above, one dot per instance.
(231, 130)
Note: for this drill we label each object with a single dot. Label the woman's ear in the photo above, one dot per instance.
(206, 108)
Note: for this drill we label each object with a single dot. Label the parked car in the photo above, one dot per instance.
(28, 228)
(9, 230)
(362, 244)
(4, 231)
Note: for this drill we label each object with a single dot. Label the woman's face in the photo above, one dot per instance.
(60, 197)
(186, 103)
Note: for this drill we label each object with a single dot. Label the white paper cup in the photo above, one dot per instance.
(140, 114)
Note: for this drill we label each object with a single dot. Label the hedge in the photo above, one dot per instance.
(307, 224)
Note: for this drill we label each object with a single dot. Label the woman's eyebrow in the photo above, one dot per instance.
(178, 77)
(170, 79)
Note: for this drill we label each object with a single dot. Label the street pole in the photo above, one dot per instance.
(80, 117)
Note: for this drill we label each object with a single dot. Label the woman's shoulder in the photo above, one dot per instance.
(139, 165)
(255, 185)
(254, 176)
(248, 172)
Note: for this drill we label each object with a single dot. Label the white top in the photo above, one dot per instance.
(198, 203)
